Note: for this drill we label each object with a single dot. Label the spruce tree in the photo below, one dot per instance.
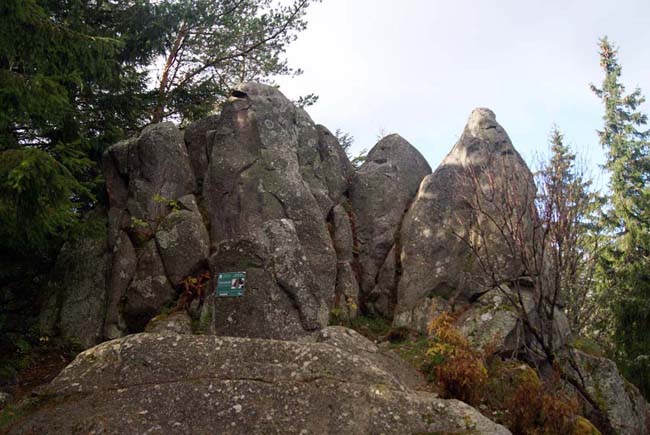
(76, 77)
(627, 261)
(48, 67)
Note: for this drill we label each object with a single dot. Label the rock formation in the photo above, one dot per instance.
(155, 230)
(435, 262)
(381, 193)
(76, 296)
(153, 383)
(611, 401)
(265, 166)
(261, 189)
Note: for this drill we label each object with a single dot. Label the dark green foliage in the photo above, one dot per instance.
(37, 195)
(626, 264)
(75, 77)
(213, 46)
(61, 91)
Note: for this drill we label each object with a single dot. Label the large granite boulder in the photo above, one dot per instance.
(123, 267)
(159, 171)
(337, 171)
(263, 167)
(435, 261)
(419, 317)
(115, 165)
(143, 173)
(197, 139)
(351, 341)
(493, 323)
(347, 286)
(178, 322)
(281, 300)
(611, 402)
(153, 383)
(149, 290)
(290, 270)
(381, 193)
(184, 244)
(156, 233)
(77, 301)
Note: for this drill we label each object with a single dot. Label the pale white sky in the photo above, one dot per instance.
(418, 67)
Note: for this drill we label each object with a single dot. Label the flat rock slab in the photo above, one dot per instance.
(152, 383)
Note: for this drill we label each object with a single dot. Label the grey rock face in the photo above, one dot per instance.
(309, 161)
(255, 175)
(611, 401)
(118, 220)
(159, 170)
(351, 341)
(420, 315)
(115, 167)
(143, 173)
(381, 192)
(183, 243)
(347, 286)
(281, 300)
(434, 261)
(347, 291)
(148, 177)
(265, 310)
(492, 321)
(79, 292)
(174, 323)
(381, 300)
(290, 269)
(336, 167)
(179, 384)
(124, 262)
(342, 236)
(188, 202)
(149, 291)
(197, 136)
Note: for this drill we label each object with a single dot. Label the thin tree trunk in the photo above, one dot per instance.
(159, 110)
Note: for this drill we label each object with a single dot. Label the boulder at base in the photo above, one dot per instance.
(279, 301)
(610, 401)
(162, 384)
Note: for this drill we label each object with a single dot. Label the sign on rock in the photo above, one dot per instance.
(231, 284)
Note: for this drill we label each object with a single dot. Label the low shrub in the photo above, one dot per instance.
(458, 368)
(524, 403)
(510, 392)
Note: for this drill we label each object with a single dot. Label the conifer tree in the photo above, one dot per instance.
(570, 208)
(76, 77)
(627, 261)
(212, 46)
(49, 68)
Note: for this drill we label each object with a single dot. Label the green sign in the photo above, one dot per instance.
(231, 284)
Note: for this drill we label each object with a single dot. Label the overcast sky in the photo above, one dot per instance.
(418, 67)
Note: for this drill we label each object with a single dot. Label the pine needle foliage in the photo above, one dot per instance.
(626, 264)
